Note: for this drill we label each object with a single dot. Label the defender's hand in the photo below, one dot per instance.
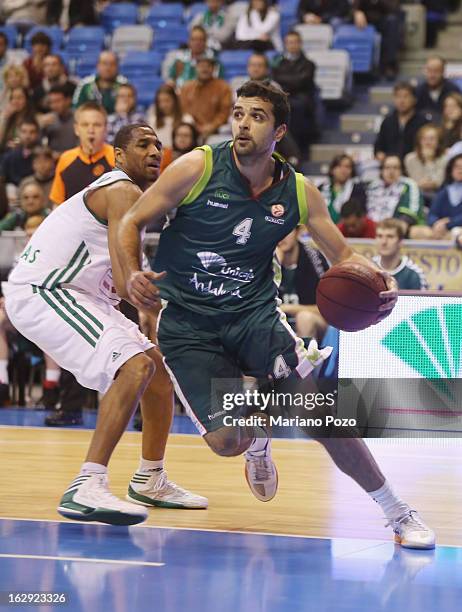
(141, 289)
(389, 297)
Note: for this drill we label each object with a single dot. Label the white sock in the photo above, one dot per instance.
(93, 468)
(4, 371)
(52, 375)
(393, 507)
(259, 446)
(151, 466)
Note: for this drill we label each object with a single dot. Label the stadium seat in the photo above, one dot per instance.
(54, 32)
(85, 39)
(315, 37)
(288, 8)
(132, 38)
(333, 74)
(11, 33)
(141, 64)
(85, 66)
(362, 45)
(234, 62)
(117, 14)
(161, 15)
(146, 89)
(166, 39)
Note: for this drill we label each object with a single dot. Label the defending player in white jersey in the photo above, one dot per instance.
(63, 296)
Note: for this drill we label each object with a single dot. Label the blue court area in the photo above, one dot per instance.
(100, 567)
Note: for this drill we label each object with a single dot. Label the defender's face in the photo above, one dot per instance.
(387, 242)
(253, 127)
(141, 160)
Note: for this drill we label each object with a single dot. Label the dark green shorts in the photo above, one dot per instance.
(200, 350)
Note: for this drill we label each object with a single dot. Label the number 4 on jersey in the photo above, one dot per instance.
(242, 230)
(281, 369)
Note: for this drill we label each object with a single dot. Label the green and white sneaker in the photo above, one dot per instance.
(88, 499)
(154, 489)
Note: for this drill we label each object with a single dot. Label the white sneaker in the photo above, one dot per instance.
(154, 489)
(412, 532)
(88, 499)
(261, 473)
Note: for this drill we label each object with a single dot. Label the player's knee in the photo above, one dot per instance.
(139, 368)
(224, 442)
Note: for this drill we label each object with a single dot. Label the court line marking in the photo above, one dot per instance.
(81, 559)
(210, 530)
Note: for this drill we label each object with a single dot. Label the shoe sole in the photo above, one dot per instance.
(405, 544)
(152, 503)
(257, 495)
(103, 516)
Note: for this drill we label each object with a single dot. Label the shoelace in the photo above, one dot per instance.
(171, 487)
(412, 517)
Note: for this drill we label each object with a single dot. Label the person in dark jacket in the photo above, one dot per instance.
(445, 216)
(323, 11)
(398, 130)
(432, 92)
(295, 74)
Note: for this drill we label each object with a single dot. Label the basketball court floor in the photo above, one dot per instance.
(320, 545)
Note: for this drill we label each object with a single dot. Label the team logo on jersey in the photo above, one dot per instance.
(98, 170)
(277, 210)
(219, 193)
(115, 355)
(208, 258)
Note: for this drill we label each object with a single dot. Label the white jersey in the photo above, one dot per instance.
(70, 249)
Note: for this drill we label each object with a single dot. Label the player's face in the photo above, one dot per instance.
(143, 155)
(387, 242)
(90, 128)
(32, 200)
(253, 127)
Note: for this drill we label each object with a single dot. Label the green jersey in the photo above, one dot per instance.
(218, 251)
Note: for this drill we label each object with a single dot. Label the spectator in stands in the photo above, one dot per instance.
(14, 76)
(32, 202)
(342, 185)
(4, 60)
(101, 87)
(426, 165)
(395, 195)
(43, 166)
(18, 109)
(166, 114)
(125, 111)
(183, 66)
(445, 216)
(217, 22)
(185, 138)
(76, 169)
(54, 73)
(30, 10)
(452, 119)
(80, 166)
(41, 47)
(207, 98)
(58, 125)
(258, 28)
(434, 89)
(295, 74)
(354, 222)
(386, 17)
(314, 12)
(399, 128)
(17, 162)
(69, 13)
(389, 239)
(301, 267)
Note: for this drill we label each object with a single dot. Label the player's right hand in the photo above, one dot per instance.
(142, 291)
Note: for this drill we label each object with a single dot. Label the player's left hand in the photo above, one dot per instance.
(388, 297)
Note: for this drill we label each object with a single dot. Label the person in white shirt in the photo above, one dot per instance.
(259, 27)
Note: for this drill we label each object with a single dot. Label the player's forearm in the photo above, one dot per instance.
(129, 241)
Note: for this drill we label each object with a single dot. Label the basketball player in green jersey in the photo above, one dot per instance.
(220, 317)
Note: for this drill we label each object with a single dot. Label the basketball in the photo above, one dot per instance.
(348, 296)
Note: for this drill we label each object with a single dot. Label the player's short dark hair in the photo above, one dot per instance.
(40, 38)
(404, 86)
(353, 207)
(270, 93)
(394, 224)
(125, 134)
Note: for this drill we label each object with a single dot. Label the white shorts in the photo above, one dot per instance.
(84, 335)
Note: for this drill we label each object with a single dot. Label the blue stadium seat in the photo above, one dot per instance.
(11, 33)
(83, 39)
(195, 9)
(54, 32)
(362, 46)
(141, 64)
(86, 65)
(146, 89)
(163, 14)
(166, 39)
(117, 14)
(288, 8)
(234, 62)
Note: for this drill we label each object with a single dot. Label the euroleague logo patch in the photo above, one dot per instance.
(277, 210)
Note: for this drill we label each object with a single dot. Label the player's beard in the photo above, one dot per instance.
(244, 149)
